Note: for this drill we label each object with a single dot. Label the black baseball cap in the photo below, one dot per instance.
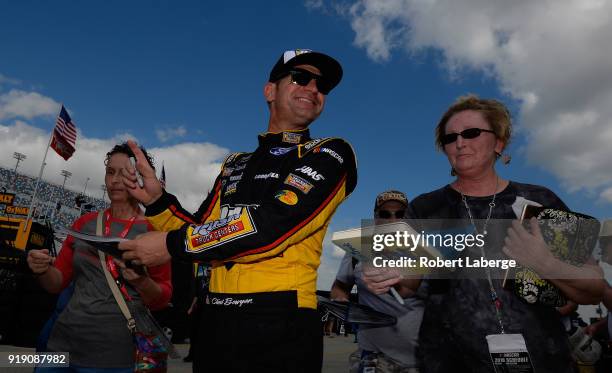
(329, 67)
(390, 195)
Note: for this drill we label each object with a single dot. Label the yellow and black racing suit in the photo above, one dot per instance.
(262, 227)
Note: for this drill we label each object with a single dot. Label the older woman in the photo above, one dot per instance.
(91, 327)
(461, 312)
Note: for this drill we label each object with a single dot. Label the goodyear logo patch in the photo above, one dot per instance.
(298, 183)
(269, 175)
(287, 197)
(235, 222)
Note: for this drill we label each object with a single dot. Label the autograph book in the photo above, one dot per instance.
(571, 237)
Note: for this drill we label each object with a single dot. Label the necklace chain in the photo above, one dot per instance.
(491, 206)
(494, 297)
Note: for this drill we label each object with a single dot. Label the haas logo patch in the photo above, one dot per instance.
(310, 172)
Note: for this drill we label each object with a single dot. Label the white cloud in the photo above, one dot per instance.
(552, 56)
(374, 26)
(330, 262)
(17, 103)
(324, 7)
(190, 167)
(607, 195)
(314, 4)
(170, 133)
(331, 249)
(326, 274)
(6, 80)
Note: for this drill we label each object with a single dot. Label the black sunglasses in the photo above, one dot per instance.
(470, 133)
(303, 77)
(385, 214)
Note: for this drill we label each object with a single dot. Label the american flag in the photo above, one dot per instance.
(64, 135)
(162, 177)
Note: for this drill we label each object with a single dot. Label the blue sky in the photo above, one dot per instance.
(185, 79)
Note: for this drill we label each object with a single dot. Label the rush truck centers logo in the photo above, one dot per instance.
(235, 222)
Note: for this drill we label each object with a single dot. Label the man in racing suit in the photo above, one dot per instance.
(262, 228)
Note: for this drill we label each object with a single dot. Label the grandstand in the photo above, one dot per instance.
(47, 199)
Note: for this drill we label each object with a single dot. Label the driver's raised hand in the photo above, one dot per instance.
(152, 188)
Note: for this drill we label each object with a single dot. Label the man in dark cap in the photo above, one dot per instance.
(386, 349)
(261, 228)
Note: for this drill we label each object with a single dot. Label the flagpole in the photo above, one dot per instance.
(42, 167)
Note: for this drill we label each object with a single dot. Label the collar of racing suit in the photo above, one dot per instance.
(285, 137)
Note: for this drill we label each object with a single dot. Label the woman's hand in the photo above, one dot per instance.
(130, 275)
(528, 249)
(148, 289)
(39, 261)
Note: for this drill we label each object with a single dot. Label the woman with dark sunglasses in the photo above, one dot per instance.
(461, 312)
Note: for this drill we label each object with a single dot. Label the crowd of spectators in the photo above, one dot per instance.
(48, 198)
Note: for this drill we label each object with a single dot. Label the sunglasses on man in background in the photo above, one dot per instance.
(385, 214)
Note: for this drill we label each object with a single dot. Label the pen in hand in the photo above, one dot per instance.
(138, 176)
(397, 296)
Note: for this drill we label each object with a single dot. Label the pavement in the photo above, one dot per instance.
(335, 356)
(336, 351)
